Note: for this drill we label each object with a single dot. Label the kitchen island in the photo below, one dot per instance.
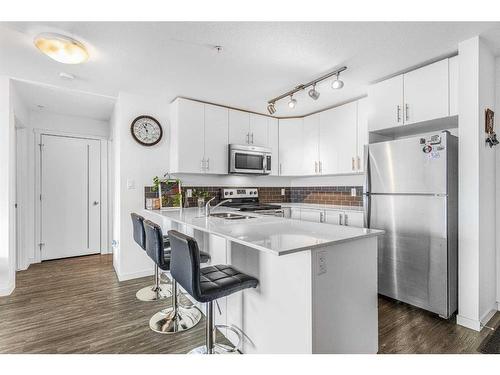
(317, 288)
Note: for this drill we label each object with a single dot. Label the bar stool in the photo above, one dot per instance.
(204, 284)
(177, 318)
(158, 290)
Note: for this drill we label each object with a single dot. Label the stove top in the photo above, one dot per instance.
(246, 200)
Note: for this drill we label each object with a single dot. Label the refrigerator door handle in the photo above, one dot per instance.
(367, 200)
(367, 187)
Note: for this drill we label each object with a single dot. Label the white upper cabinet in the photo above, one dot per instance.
(426, 93)
(386, 104)
(199, 138)
(362, 134)
(453, 85)
(239, 127)
(216, 139)
(420, 95)
(273, 137)
(258, 131)
(310, 137)
(187, 137)
(290, 147)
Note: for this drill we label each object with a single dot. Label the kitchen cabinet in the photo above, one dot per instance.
(453, 85)
(347, 218)
(362, 133)
(426, 93)
(386, 104)
(198, 138)
(310, 137)
(313, 215)
(273, 139)
(420, 95)
(295, 213)
(290, 146)
(335, 217)
(337, 146)
(248, 128)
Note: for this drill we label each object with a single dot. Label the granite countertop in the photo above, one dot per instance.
(275, 235)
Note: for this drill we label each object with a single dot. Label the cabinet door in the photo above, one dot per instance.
(334, 217)
(216, 134)
(426, 93)
(258, 130)
(354, 219)
(239, 127)
(311, 215)
(337, 147)
(310, 137)
(189, 136)
(273, 136)
(453, 85)
(385, 104)
(295, 213)
(290, 147)
(362, 133)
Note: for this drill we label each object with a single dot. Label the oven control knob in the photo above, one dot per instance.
(226, 193)
(231, 193)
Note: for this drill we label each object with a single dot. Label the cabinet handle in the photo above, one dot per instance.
(315, 167)
(398, 113)
(359, 163)
(320, 167)
(248, 138)
(346, 222)
(208, 164)
(321, 217)
(340, 219)
(252, 138)
(202, 165)
(353, 166)
(407, 112)
(280, 169)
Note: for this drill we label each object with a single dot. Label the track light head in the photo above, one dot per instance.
(313, 93)
(271, 108)
(292, 103)
(337, 84)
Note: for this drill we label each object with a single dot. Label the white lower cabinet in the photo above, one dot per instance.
(335, 217)
(311, 215)
(354, 219)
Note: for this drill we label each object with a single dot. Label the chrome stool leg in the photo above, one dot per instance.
(154, 292)
(176, 318)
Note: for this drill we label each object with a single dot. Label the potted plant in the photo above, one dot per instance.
(201, 196)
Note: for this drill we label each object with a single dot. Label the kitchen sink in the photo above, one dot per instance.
(231, 216)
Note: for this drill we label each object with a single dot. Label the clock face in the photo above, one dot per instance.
(146, 130)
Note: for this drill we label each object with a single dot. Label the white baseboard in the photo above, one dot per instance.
(134, 275)
(469, 323)
(8, 290)
(486, 317)
(498, 306)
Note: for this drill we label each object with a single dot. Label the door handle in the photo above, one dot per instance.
(96, 203)
(202, 165)
(208, 164)
(248, 138)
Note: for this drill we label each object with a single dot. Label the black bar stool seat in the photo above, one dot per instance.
(205, 284)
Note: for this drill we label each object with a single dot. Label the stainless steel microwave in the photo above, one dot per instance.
(246, 159)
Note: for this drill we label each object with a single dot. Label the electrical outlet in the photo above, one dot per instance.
(353, 192)
(282, 191)
(189, 193)
(130, 184)
(322, 263)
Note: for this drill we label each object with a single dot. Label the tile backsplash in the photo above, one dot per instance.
(337, 195)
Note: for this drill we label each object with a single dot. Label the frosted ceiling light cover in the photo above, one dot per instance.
(61, 48)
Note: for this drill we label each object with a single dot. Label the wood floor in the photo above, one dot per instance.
(77, 305)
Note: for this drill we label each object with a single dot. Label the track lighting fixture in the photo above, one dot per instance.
(337, 84)
(271, 109)
(313, 93)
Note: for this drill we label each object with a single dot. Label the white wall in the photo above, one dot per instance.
(7, 189)
(138, 165)
(69, 124)
(476, 186)
(497, 129)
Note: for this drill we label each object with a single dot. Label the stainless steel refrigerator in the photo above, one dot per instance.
(411, 192)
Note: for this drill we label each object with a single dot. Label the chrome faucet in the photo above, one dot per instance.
(209, 208)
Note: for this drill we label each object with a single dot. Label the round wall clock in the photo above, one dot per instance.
(146, 130)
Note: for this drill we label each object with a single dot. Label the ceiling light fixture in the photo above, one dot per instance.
(337, 84)
(61, 48)
(313, 93)
(271, 108)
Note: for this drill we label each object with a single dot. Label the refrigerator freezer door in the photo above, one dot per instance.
(408, 166)
(413, 252)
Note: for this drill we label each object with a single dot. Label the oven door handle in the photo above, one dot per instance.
(264, 163)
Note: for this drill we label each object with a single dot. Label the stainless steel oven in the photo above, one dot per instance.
(246, 159)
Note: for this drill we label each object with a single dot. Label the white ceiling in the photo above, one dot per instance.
(259, 61)
(64, 101)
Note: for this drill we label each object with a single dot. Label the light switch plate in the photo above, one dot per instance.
(353, 192)
(189, 193)
(130, 184)
(282, 191)
(322, 263)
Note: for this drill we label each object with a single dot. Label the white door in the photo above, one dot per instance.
(188, 130)
(216, 126)
(310, 136)
(70, 197)
(273, 136)
(362, 138)
(426, 93)
(258, 130)
(239, 127)
(290, 147)
(386, 104)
